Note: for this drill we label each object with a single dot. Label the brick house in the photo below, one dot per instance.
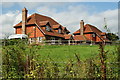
(89, 33)
(39, 28)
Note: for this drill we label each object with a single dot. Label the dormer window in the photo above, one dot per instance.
(65, 32)
(59, 30)
(93, 35)
(104, 37)
(47, 28)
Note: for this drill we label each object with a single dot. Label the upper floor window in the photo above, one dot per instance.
(47, 28)
(59, 30)
(93, 35)
(65, 32)
(104, 36)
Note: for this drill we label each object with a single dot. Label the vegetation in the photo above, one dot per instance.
(112, 37)
(22, 60)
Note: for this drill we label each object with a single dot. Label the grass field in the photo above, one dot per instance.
(66, 52)
(51, 61)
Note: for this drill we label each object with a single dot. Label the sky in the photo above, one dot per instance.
(68, 14)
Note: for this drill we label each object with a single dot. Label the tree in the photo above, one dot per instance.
(112, 36)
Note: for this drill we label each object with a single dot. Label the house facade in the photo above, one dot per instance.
(89, 33)
(39, 28)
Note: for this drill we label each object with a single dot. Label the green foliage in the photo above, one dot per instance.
(112, 36)
(6, 42)
(55, 61)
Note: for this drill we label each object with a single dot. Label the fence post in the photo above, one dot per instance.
(69, 42)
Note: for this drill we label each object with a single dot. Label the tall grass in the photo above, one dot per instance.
(22, 60)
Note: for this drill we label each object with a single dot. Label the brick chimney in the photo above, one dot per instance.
(24, 19)
(81, 27)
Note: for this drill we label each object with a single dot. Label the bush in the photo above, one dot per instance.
(21, 60)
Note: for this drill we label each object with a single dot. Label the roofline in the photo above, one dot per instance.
(100, 37)
(39, 28)
(21, 26)
(94, 27)
(55, 36)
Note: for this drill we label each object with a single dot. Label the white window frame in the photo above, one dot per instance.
(53, 40)
(59, 30)
(93, 35)
(104, 37)
(40, 39)
(47, 28)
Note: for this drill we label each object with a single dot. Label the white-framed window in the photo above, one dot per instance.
(104, 36)
(40, 39)
(47, 28)
(52, 40)
(32, 40)
(65, 32)
(59, 30)
(93, 35)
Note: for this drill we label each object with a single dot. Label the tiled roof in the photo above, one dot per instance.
(43, 23)
(55, 26)
(65, 29)
(103, 33)
(81, 38)
(90, 28)
(68, 36)
(77, 32)
(41, 20)
(30, 20)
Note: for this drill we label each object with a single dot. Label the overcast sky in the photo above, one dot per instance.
(67, 14)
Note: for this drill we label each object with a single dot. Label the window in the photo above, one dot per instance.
(104, 36)
(47, 28)
(59, 30)
(40, 39)
(93, 35)
(52, 40)
(32, 40)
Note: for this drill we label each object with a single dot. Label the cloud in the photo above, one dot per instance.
(111, 20)
(7, 23)
(73, 14)
(8, 20)
(70, 17)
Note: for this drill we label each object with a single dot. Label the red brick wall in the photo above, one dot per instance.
(98, 39)
(32, 31)
(93, 38)
(89, 36)
(39, 33)
(18, 30)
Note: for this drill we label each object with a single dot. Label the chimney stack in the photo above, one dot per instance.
(81, 27)
(24, 20)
